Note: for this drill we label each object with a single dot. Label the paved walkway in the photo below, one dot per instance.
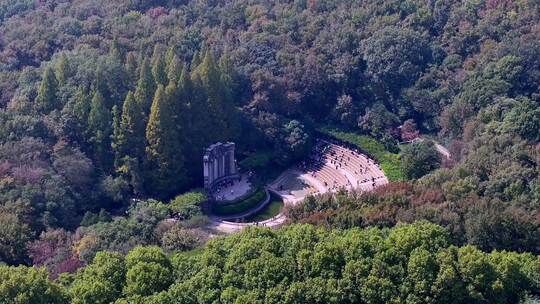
(440, 148)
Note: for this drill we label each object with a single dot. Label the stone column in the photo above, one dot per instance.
(216, 171)
(224, 172)
(232, 163)
(218, 165)
(207, 174)
(210, 172)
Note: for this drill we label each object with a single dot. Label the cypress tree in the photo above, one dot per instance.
(115, 134)
(131, 67)
(115, 51)
(99, 121)
(159, 67)
(229, 87)
(128, 143)
(146, 87)
(199, 109)
(229, 76)
(117, 77)
(164, 150)
(219, 110)
(75, 115)
(129, 138)
(185, 86)
(193, 118)
(62, 70)
(81, 108)
(101, 83)
(174, 70)
(46, 98)
(195, 60)
(171, 54)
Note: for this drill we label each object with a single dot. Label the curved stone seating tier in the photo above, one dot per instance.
(352, 170)
(356, 164)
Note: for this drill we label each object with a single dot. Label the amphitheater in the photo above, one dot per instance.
(330, 167)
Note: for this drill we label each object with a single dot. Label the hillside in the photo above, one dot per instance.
(106, 108)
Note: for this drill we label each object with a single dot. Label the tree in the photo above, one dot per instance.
(420, 158)
(29, 285)
(180, 239)
(164, 151)
(131, 67)
(99, 126)
(295, 139)
(377, 120)
(422, 271)
(115, 53)
(80, 112)
(345, 111)
(174, 70)
(129, 137)
(46, 98)
(159, 66)
(148, 271)
(145, 89)
(220, 111)
(100, 282)
(523, 119)
(14, 236)
(409, 130)
(395, 56)
(62, 69)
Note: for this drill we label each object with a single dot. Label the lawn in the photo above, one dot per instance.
(244, 205)
(268, 212)
(390, 162)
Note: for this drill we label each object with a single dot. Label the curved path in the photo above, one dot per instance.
(224, 224)
(244, 214)
(440, 148)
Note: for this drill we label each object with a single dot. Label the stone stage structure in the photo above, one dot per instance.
(219, 164)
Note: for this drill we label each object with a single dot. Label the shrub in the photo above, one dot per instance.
(187, 205)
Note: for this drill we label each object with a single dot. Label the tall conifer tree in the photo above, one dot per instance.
(220, 108)
(62, 69)
(129, 143)
(131, 68)
(115, 51)
(195, 60)
(99, 127)
(129, 138)
(146, 87)
(46, 98)
(164, 150)
(174, 70)
(159, 66)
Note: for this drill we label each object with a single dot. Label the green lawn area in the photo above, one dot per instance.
(390, 162)
(268, 212)
(246, 204)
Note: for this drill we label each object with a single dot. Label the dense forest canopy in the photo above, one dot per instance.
(297, 264)
(106, 107)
